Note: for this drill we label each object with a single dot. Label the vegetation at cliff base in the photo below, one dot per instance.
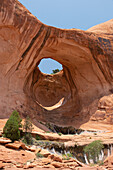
(39, 155)
(11, 128)
(93, 150)
(27, 128)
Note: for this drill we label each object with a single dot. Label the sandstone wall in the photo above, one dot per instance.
(86, 57)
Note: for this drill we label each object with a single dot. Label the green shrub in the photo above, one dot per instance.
(27, 128)
(27, 139)
(59, 134)
(11, 128)
(55, 71)
(39, 155)
(67, 156)
(38, 137)
(93, 150)
(101, 163)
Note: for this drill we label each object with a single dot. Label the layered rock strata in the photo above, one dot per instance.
(70, 97)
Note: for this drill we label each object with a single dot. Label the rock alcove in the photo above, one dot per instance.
(86, 57)
(49, 89)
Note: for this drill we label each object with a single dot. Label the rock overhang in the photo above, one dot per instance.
(86, 57)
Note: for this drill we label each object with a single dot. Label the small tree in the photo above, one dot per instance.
(55, 71)
(11, 128)
(27, 128)
(93, 150)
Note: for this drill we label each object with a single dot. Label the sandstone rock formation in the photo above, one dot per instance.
(18, 157)
(108, 162)
(87, 75)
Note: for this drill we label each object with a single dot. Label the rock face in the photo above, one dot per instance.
(87, 75)
(108, 162)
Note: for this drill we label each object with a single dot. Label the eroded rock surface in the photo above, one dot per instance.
(87, 75)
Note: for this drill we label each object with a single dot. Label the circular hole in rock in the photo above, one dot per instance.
(49, 66)
(50, 90)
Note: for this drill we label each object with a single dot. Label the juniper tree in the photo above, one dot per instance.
(11, 128)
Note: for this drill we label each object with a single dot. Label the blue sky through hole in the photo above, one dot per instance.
(47, 65)
(80, 14)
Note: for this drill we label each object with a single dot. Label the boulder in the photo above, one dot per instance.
(57, 158)
(51, 156)
(45, 153)
(71, 164)
(57, 164)
(31, 165)
(32, 149)
(5, 141)
(46, 161)
(38, 150)
(19, 165)
(16, 145)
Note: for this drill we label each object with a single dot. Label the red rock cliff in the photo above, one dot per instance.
(87, 75)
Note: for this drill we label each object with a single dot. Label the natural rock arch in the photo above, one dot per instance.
(87, 62)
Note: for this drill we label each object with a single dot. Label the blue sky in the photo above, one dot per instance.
(81, 14)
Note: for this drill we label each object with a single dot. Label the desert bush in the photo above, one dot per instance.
(55, 71)
(59, 134)
(67, 156)
(93, 150)
(27, 128)
(11, 128)
(38, 137)
(39, 155)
